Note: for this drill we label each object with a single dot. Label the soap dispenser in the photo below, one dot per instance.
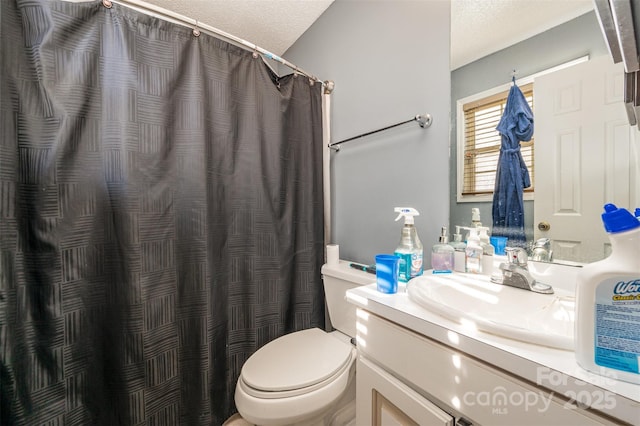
(487, 251)
(442, 254)
(473, 253)
(459, 248)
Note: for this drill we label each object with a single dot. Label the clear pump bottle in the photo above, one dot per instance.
(442, 254)
(459, 248)
(473, 253)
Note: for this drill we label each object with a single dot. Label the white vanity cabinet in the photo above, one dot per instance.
(406, 378)
(388, 401)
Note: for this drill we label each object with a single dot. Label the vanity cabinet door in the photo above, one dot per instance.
(383, 400)
(470, 387)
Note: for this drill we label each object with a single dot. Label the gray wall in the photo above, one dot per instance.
(576, 38)
(390, 62)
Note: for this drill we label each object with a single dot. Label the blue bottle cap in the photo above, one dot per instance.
(618, 219)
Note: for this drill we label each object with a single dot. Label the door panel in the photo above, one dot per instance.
(585, 156)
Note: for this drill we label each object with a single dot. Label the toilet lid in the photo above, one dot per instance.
(295, 361)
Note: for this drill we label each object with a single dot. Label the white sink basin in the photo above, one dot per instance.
(469, 299)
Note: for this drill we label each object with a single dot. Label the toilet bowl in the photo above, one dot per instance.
(307, 377)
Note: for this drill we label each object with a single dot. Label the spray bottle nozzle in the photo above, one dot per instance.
(407, 212)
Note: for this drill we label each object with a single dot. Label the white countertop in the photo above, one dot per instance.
(553, 369)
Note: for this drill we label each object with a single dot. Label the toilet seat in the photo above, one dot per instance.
(307, 372)
(298, 363)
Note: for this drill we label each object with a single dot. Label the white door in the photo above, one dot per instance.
(586, 155)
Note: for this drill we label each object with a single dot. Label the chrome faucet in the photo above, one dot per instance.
(541, 251)
(515, 273)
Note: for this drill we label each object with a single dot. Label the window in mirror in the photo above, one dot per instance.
(478, 153)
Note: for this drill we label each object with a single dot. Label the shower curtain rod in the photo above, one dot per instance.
(197, 26)
(424, 120)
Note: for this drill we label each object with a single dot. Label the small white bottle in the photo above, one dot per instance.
(473, 253)
(607, 316)
(442, 254)
(487, 251)
(459, 256)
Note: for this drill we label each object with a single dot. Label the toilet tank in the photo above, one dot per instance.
(337, 279)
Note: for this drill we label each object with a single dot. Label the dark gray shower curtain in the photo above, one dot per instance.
(161, 216)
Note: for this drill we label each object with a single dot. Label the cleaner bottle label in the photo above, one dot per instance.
(410, 265)
(617, 324)
(416, 264)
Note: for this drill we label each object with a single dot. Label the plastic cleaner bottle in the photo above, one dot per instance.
(410, 248)
(607, 317)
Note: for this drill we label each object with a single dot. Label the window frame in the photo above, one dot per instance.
(461, 138)
(499, 93)
(460, 130)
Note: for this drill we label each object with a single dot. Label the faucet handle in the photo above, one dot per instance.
(517, 256)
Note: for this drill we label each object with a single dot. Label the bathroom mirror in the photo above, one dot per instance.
(562, 140)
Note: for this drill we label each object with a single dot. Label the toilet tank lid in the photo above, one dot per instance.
(296, 360)
(343, 271)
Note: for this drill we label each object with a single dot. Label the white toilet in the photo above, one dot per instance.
(307, 377)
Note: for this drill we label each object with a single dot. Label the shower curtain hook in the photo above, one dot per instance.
(295, 72)
(255, 52)
(196, 31)
(107, 3)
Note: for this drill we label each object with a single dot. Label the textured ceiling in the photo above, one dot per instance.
(273, 25)
(482, 27)
(478, 27)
